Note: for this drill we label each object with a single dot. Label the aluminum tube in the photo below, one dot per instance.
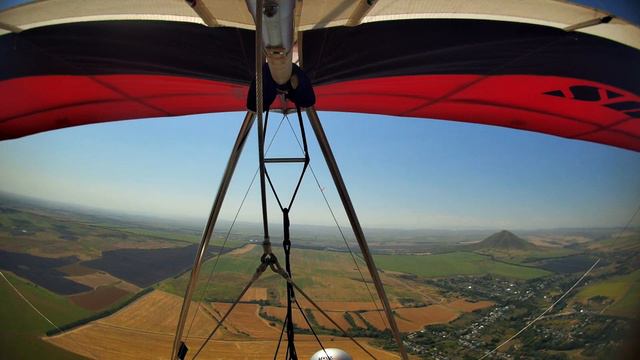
(259, 110)
(211, 222)
(284, 160)
(277, 35)
(355, 223)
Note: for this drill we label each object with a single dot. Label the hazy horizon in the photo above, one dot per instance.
(402, 173)
(301, 230)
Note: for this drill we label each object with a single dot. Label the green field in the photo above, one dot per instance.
(324, 275)
(22, 326)
(316, 271)
(624, 291)
(332, 276)
(628, 243)
(455, 263)
(526, 256)
(628, 305)
(51, 234)
(231, 274)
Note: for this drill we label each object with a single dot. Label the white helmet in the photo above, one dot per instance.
(331, 354)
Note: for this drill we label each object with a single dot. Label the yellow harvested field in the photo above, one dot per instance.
(373, 318)
(100, 342)
(281, 312)
(242, 250)
(468, 306)
(342, 305)
(244, 319)
(126, 286)
(358, 320)
(95, 279)
(101, 278)
(417, 318)
(76, 269)
(337, 316)
(557, 241)
(145, 330)
(414, 319)
(255, 294)
(158, 312)
(346, 306)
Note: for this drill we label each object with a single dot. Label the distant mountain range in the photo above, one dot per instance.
(504, 240)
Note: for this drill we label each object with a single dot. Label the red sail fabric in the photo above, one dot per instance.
(515, 75)
(565, 107)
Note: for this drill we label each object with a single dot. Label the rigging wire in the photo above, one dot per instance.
(285, 274)
(275, 266)
(28, 302)
(344, 238)
(544, 312)
(215, 265)
(41, 314)
(312, 330)
(291, 349)
(324, 313)
(254, 278)
(626, 227)
(284, 324)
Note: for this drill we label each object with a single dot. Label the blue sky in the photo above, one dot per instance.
(401, 172)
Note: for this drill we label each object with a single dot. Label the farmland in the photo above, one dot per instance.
(568, 264)
(42, 271)
(247, 324)
(52, 234)
(450, 303)
(622, 294)
(326, 278)
(51, 249)
(413, 319)
(90, 257)
(138, 332)
(144, 267)
(22, 327)
(99, 278)
(99, 299)
(455, 263)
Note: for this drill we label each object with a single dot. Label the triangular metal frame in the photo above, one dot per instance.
(344, 197)
(226, 180)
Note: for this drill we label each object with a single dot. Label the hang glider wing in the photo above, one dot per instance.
(507, 63)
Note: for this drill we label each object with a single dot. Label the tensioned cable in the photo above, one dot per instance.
(275, 266)
(215, 265)
(41, 314)
(335, 220)
(28, 302)
(254, 278)
(311, 327)
(284, 324)
(258, 272)
(543, 313)
(324, 313)
(628, 225)
(286, 243)
(563, 295)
